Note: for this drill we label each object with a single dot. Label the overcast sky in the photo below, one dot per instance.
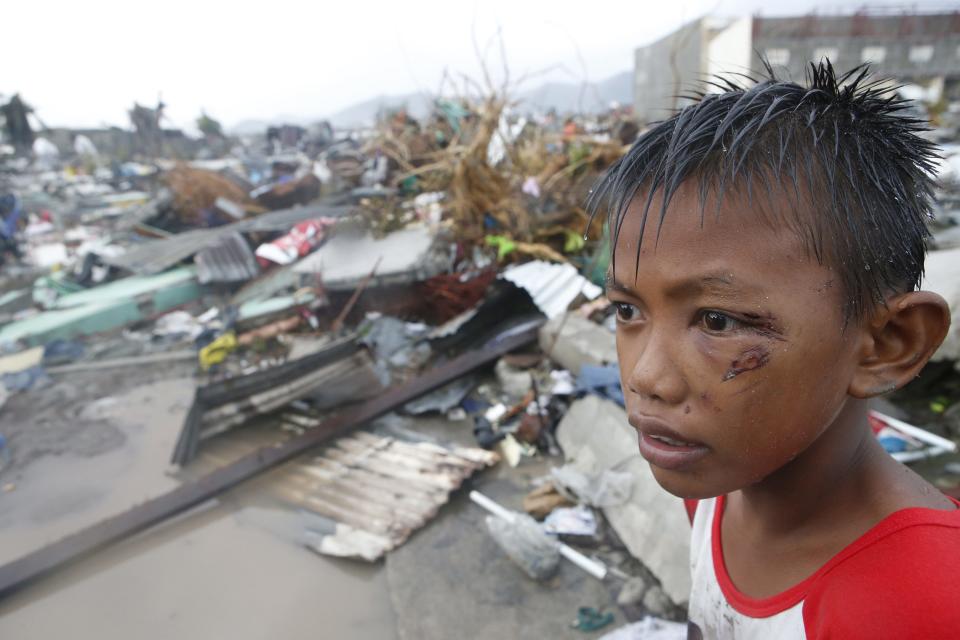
(84, 63)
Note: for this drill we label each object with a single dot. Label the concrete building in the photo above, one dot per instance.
(910, 47)
(679, 62)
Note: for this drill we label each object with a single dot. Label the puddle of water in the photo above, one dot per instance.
(232, 569)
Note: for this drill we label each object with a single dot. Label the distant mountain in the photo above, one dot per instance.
(365, 113)
(564, 97)
(573, 97)
(248, 127)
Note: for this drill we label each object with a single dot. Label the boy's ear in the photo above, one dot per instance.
(898, 340)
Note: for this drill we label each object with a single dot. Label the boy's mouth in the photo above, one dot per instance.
(663, 447)
(671, 441)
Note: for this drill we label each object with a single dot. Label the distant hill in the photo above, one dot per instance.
(365, 113)
(573, 97)
(564, 97)
(249, 127)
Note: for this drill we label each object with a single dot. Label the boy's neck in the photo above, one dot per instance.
(832, 474)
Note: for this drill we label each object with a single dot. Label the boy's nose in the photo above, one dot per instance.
(654, 374)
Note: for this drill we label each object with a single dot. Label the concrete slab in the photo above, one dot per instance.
(346, 259)
(653, 524)
(572, 341)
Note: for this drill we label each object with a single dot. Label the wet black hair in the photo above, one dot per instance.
(844, 149)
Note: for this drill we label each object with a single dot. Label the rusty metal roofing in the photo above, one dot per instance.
(365, 494)
(377, 491)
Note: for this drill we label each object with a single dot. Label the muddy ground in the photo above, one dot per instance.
(91, 445)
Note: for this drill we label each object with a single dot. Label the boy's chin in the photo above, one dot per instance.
(685, 485)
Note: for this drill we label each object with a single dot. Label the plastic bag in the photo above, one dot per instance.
(524, 542)
(606, 489)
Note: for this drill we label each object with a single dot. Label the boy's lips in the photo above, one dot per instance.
(662, 446)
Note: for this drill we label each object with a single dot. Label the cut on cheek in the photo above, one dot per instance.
(753, 358)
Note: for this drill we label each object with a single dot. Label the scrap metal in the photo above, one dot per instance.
(226, 259)
(236, 399)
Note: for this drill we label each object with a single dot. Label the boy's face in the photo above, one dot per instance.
(732, 352)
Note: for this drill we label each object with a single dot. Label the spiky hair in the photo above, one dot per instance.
(843, 149)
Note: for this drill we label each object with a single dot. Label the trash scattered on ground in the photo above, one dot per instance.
(524, 542)
(571, 521)
(532, 554)
(608, 488)
(603, 381)
(541, 502)
(590, 619)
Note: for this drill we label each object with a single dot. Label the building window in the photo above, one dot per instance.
(921, 53)
(830, 53)
(778, 57)
(874, 54)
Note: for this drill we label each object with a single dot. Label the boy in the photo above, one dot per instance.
(768, 243)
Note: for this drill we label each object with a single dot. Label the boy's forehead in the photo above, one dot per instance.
(695, 230)
(726, 251)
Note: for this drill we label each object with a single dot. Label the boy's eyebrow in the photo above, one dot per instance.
(611, 284)
(717, 283)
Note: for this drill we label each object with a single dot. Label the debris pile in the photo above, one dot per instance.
(315, 280)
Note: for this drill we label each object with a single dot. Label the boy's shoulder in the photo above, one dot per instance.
(900, 579)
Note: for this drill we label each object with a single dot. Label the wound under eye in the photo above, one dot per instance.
(753, 358)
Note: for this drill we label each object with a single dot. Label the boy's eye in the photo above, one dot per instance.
(718, 322)
(626, 312)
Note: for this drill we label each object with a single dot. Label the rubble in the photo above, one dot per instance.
(573, 341)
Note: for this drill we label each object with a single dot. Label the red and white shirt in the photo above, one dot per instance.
(900, 580)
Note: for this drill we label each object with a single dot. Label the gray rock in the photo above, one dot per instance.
(632, 592)
(572, 341)
(657, 602)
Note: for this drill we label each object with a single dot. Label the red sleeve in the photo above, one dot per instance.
(691, 507)
(904, 585)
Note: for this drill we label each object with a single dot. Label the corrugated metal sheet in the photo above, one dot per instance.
(159, 255)
(365, 494)
(227, 259)
(377, 491)
(552, 286)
